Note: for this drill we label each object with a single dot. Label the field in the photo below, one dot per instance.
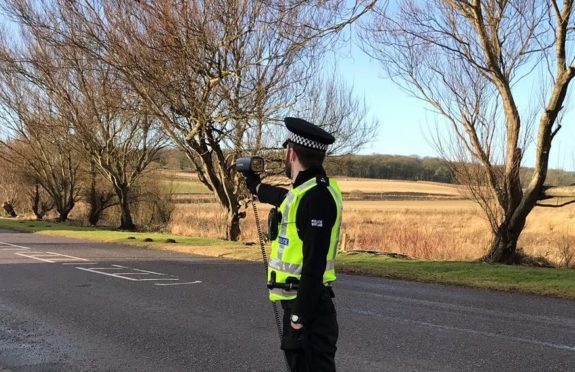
(182, 183)
(418, 219)
(382, 186)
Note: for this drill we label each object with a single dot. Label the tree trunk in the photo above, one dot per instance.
(63, 214)
(63, 207)
(95, 207)
(95, 210)
(94, 216)
(36, 208)
(502, 250)
(233, 226)
(222, 187)
(9, 209)
(504, 246)
(126, 222)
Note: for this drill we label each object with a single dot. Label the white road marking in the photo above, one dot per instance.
(50, 257)
(496, 335)
(570, 348)
(14, 247)
(127, 274)
(103, 273)
(64, 255)
(34, 257)
(162, 284)
(140, 270)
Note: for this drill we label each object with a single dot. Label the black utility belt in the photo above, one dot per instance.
(292, 286)
(292, 283)
(286, 286)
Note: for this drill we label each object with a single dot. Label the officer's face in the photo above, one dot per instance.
(288, 161)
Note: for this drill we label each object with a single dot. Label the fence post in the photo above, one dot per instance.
(343, 244)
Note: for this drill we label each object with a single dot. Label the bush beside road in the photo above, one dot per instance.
(541, 281)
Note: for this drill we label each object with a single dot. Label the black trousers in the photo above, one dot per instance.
(312, 348)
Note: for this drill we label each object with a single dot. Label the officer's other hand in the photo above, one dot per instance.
(296, 326)
(252, 181)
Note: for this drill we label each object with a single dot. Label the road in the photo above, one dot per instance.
(71, 305)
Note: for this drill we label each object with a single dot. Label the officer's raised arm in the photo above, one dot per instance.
(269, 194)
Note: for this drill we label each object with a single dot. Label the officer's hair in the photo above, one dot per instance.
(308, 157)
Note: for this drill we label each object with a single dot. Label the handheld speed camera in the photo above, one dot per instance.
(253, 164)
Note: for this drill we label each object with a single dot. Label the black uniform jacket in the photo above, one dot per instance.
(316, 215)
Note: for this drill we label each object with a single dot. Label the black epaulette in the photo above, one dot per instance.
(322, 180)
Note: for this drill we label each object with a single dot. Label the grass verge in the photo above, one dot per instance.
(184, 244)
(541, 281)
(549, 282)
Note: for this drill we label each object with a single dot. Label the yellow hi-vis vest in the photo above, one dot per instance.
(286, 258)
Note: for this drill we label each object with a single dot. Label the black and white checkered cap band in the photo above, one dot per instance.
(306, 142)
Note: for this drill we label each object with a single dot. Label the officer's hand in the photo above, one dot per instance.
(252, 181)
(296, 326)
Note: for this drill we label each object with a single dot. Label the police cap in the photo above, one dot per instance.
(307, 134)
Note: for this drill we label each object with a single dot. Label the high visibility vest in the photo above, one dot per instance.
(286, 258)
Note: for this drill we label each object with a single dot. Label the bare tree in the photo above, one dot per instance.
(10, 187)
(114, 129)
(110, 124)
(52, 164)
(19, 189)
(40, 203)
(218, 75)
(98, 195)
(36, 140)
(470, 60)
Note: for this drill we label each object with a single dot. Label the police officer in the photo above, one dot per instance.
(301, 268)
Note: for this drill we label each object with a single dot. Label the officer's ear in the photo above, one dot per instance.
(292, 155)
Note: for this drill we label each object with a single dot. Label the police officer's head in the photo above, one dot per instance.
(306, 145)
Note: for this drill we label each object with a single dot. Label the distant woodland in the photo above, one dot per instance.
(392, 167)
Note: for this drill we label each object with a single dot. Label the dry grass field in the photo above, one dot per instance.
(367, 185)
(451, 230)
(188, 183)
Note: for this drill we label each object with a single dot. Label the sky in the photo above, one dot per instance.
(405, 121)
(402, 117)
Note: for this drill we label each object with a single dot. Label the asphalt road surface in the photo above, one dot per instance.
(71, 305)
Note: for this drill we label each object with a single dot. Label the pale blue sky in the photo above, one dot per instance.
(402, 117)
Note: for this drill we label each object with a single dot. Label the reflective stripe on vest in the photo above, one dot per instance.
(286, 258)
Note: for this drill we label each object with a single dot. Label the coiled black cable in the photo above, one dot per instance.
(266, 266)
